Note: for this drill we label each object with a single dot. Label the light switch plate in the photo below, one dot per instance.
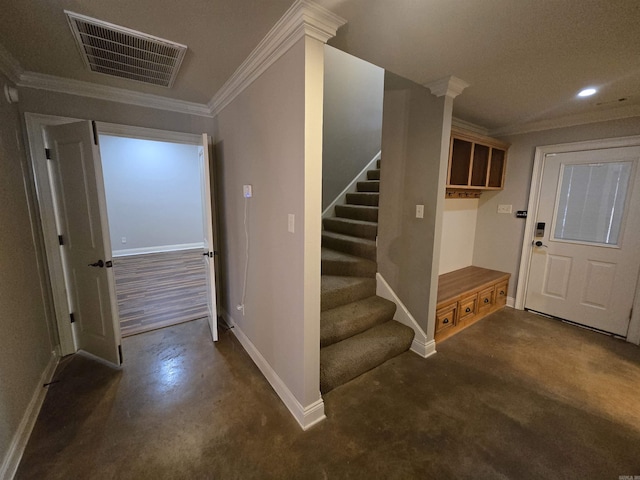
(505, 208)
(247, 191)
(419, 211)
(292, 223)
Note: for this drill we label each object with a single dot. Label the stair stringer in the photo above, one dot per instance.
(420, 345)
(341, 199)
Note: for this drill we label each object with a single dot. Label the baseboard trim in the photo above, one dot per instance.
(421, 344)
(511, 302)
(305, 416)
(21, 437)
(158, 249)
(351, 188)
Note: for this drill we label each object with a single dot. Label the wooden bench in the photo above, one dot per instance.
(467, 295)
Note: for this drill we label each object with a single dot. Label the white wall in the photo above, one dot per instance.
(153, 194)
(458, 233)
(352, 129)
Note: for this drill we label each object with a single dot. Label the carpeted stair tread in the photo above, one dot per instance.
(360, 247)
(349, 226)
(373, 174)
(345, 360)
(368, 186)
(337, 290)
(348, 320)
(357, 212)
(343, 264)
(363, 198)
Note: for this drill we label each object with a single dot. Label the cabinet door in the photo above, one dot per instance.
(480, 165)
(496, 171)
(460, 162)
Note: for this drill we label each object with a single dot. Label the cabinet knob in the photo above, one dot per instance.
(501, 292)
(446, 320)
(467, 310)
(486, 300)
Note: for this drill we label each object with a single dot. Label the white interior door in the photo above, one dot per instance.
(80, 200)
(210, 251)
(585, 260)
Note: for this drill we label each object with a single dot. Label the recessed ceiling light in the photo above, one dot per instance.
(587, 92)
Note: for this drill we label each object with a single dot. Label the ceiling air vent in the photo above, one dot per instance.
(121, 52)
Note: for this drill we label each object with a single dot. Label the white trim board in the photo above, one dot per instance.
(421, 344)
(157, 249)
(305, 416)
(129, 131)
(351, 188)
(301, 19)
(21, 436)
(70, 86)
(534, 198)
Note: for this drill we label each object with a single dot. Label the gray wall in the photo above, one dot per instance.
(153, 192)
(25, 341)
(262, 140)
(353, 91)
(498, 243)
(415, 128)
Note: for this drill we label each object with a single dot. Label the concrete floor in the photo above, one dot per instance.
(514, 396)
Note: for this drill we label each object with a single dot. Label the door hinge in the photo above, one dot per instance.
(60, 239)
(72, 318)
(47, 153)
(95, 132)
(120, 353)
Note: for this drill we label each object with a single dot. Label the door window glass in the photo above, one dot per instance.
(591, 202)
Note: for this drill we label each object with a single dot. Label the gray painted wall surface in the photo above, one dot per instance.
(499, 237)
(153, 193)
(25, 343)
(411, 173)
(353, 91)
(260, 140)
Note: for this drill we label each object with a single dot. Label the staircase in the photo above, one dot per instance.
(357, 330)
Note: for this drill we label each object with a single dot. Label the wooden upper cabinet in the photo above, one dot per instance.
(476, 163)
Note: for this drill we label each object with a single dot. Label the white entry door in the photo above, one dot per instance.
(208, 217)
(586, 255)
(82, 222)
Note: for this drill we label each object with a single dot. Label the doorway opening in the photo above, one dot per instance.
(580, 248)
(71, 190)
(154, 204)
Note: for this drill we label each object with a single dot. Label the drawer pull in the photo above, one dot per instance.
(446, 320)
(501, 292)
(486, 300)
(467, 310)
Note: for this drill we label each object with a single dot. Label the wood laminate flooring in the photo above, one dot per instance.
(156, 290)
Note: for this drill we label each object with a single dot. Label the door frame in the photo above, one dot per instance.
(35, 124)
(541, 153)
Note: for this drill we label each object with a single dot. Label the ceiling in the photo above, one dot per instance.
(525, 60)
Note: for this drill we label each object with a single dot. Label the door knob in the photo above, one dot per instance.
(540, 244)
(99, 263)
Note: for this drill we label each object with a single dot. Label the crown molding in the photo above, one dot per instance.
(304, 18)
(448, 86)
(617, 113)
(9, 66)
(472, 127)
(52, 83)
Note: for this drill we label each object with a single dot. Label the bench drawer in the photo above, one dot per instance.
(446, 316)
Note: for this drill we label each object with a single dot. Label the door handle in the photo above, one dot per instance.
(539, 244)
(99, 263)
